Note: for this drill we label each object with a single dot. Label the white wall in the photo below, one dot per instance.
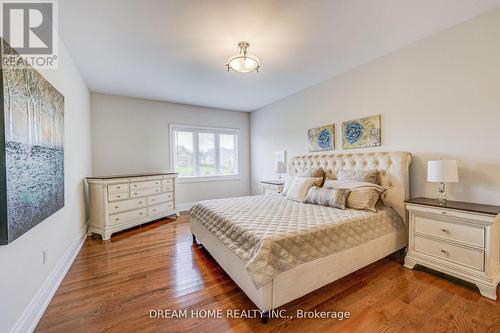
(439, 98)
(22, 272)
(131, 135)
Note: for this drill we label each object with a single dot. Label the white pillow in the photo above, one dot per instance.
(299, 187)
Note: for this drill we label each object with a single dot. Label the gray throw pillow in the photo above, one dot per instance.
(327, 197)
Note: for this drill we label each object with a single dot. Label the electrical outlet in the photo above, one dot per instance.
(44, 256)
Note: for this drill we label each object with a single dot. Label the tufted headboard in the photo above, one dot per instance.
(393, 167)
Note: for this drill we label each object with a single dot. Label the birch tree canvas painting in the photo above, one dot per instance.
(33, 150)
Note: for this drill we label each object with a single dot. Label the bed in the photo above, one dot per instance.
(278, 250)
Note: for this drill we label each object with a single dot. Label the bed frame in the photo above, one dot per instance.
(286, 286)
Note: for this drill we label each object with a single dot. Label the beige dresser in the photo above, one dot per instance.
(460, 239)
(121, 202)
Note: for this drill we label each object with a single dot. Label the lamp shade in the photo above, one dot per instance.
(279, 167)
(442, 171)
(244, 64)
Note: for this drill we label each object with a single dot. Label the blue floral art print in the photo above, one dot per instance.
(321, 138)
(325, 139)
(353, 131)
(361, 133)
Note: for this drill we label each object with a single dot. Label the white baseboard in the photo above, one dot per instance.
(32, 314)
(185, 206)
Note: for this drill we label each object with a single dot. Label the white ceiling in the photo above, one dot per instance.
(175, 50)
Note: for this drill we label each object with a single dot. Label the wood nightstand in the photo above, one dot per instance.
(272, 186)
(460, 239)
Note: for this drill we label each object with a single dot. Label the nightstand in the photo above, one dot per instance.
(459, 239)
(272, 186)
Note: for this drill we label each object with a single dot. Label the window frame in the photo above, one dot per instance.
(204, 129)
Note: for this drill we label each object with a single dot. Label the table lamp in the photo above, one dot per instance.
(442, 171)
(279, 168)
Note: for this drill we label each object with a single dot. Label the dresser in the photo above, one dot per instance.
(121, 202)
(272, 186)
(460, 239)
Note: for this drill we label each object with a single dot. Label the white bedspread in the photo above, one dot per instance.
(272, 234)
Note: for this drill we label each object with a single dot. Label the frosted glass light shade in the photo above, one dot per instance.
(442, 171)
(279, 167)
(244, 64)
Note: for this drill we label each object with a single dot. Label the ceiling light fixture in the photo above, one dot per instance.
(243, 62)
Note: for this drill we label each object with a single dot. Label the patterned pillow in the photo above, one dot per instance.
(363, 196)
(327, 197)
(299, 187)
(317, 173)
(369, 176)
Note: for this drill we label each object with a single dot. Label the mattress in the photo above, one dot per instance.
(272, 234)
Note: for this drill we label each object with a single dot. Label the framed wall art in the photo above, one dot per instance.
(362, 133)
(31, 148)
(321, 138)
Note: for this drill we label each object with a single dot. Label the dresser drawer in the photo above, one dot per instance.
(118, 188)
(167, 182)
(143, 185)
(158, 209)
(156, 199)
(121, 206)
(144, 192)
(460, 255)
(456, 232)
(114, 196)
(167, 188)
(450, 213)
(127, 216)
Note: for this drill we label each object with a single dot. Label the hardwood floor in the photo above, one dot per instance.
(112, 286)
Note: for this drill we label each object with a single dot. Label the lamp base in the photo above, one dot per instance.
(441, 194)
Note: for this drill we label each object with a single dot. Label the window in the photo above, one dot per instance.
(203, 153)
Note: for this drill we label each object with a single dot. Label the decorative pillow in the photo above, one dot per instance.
(363, 196)
(369, 176)
(327, 197)
(299, 187)
(317, 173)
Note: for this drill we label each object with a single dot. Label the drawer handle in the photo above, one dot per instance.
(116, 207)
(140, 213)
(140, 202)
(444, 251)
(443, 212)
(154, 210)
(135, 193)
(118, 196)
(117, 218)
(118, 187)
(444, 230)
(153, 199)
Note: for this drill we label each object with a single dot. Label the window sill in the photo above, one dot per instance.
(182, 180)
